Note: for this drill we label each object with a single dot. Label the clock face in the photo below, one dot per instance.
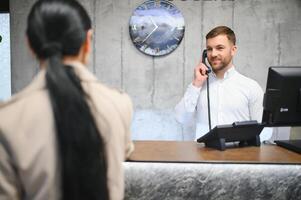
(157, 27)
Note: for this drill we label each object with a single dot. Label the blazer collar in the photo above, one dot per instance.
(81, 71)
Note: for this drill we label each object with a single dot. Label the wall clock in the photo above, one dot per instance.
(156, 27)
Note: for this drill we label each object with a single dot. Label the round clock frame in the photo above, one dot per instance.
(156, 27)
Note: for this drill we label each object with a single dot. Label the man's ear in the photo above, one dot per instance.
(233, 50)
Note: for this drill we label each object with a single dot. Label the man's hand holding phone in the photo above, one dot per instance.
(201, 71)
(200, 75)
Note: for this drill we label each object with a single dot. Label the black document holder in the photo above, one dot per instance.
(246, 133)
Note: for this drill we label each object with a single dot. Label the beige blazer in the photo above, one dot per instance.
(29, 165)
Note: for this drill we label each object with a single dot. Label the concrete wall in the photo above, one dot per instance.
(268, 33)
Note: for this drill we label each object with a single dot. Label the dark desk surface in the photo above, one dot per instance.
(189, 151)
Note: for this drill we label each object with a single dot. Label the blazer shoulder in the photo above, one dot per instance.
(17, 110)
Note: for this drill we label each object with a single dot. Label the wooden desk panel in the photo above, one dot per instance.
(189, 151)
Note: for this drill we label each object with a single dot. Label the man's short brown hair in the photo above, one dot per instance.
(222, 30)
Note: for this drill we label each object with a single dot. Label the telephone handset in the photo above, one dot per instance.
(204, 56)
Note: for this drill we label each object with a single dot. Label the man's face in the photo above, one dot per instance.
(220, 51)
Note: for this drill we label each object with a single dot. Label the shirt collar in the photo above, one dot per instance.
(230, 72)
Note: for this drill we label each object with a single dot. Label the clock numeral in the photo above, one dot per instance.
(142, 7)
(137, 39)
(145, 7)
(144, 47)
(167, 6)
(176, 38)
(134, 28)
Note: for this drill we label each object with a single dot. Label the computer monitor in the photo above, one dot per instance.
(282, 98)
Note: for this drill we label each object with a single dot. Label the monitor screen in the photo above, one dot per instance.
(282, 98)
(5, 65)
(4, 6)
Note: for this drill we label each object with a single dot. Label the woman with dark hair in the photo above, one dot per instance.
(65, 135)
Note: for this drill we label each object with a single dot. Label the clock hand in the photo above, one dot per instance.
(151, 31)
(154, 23)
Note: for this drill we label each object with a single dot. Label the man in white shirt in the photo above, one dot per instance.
(233, 97)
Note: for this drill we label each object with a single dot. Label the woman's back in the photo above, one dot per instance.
(65, 135)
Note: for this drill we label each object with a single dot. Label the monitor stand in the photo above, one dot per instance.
(293, 145)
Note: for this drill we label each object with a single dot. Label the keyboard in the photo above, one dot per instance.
(293, 145)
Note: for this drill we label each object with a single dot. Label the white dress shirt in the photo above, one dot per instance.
(233, 98)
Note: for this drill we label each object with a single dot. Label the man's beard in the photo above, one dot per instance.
(221, 66)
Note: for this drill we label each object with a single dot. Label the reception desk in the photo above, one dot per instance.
(190, 151)
(187, 170)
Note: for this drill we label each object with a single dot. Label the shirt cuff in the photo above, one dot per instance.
(194, 89)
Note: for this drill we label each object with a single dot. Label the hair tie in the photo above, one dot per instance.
(50, 49)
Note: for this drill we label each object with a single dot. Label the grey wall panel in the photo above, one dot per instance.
(258, 34)
(138, 68)
(24, 67)
(108, 42)
(192, 42)
(91, 8)
(216, 14)
(168, 76)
